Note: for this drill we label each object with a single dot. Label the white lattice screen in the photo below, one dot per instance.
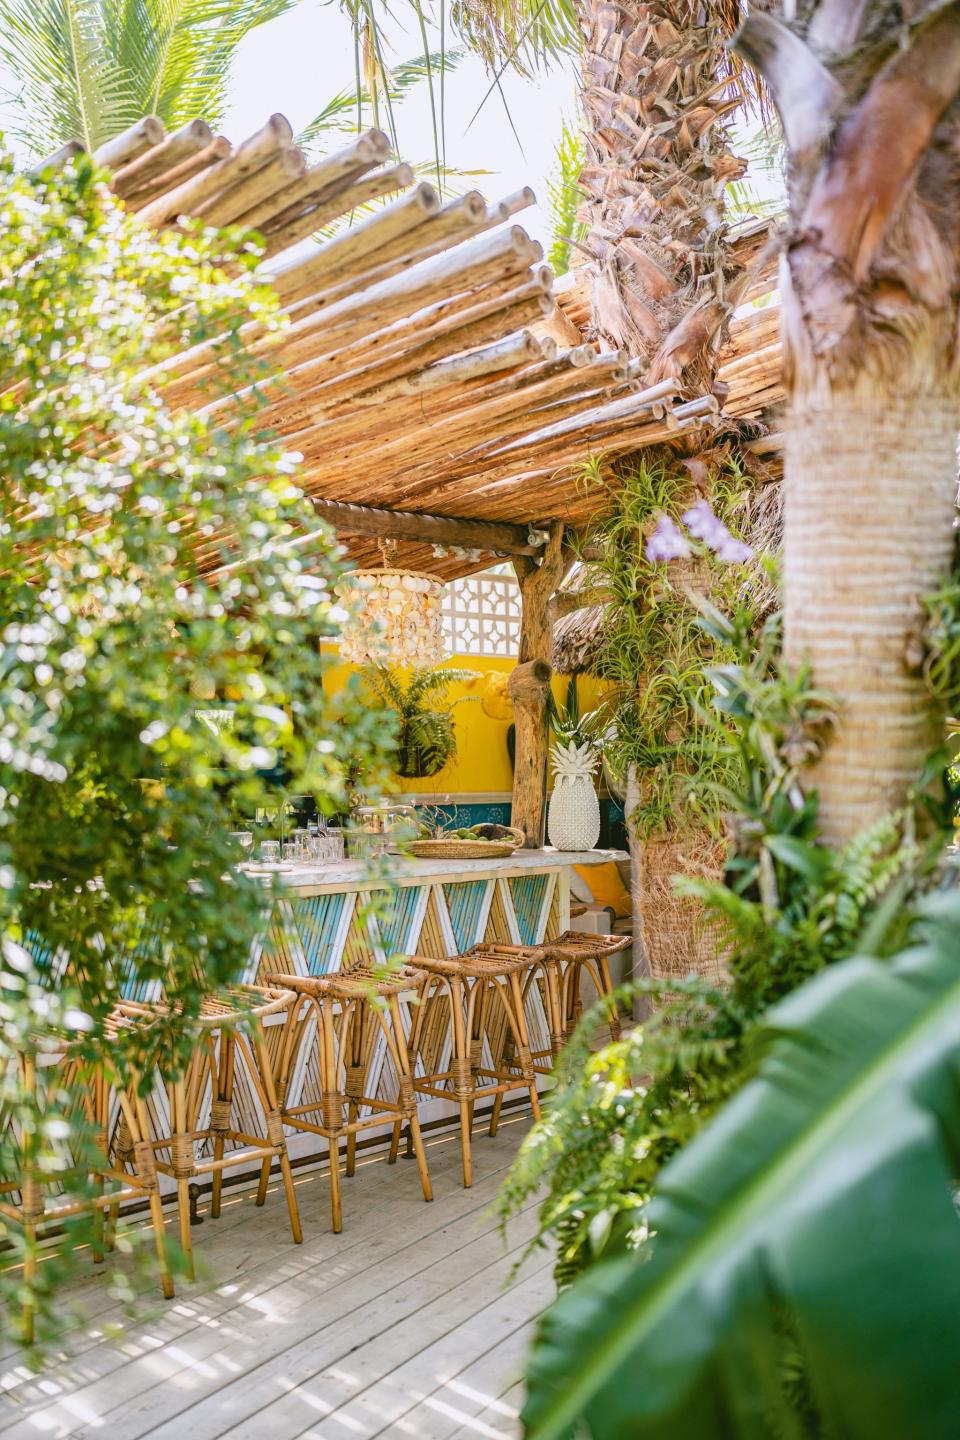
(481, 615)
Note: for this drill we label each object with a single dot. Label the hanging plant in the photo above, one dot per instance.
(426, 737)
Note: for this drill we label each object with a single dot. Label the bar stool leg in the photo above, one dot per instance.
(332, 1112)
(408, 1097)
(614, 1021)
(353, 1045)
(275, 1133)
(523, 1044)
(462, 1076)
(554, 987)
(221, 1110)
(147, 1174)
(181, 1155)
(417, 1022)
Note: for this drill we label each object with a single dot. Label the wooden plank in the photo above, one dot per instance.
(336, 1348)
(499, 1421)
(486, 535)
(432, 1395)
(444, 1333)
(270, 1293)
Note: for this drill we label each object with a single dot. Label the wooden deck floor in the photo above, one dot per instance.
(407, 1324)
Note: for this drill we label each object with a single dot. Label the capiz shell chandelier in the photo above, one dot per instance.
(396, 616)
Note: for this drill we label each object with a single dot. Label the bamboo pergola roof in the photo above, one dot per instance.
(414, 373)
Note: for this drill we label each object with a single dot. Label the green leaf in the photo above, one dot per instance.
(806, 1252)
(811, 861)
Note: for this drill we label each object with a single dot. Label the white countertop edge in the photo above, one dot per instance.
(356, 875)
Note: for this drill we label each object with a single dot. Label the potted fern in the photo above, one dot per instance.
(426, 738)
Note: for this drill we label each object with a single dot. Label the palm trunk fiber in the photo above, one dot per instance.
(870, 493)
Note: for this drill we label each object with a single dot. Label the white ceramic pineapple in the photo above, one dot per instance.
(573, 819)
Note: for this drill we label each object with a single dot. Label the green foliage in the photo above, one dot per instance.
(567, 721)
(655, 649)
(796, 1240)
(786, 908)
(116, 865)
(87, 69)
(565, 195)
(425, 736)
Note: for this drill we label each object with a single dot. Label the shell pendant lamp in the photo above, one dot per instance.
(396, 616)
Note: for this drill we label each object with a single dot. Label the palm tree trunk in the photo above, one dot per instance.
(869, 505)
(663, 284)
(657, 164)
(869, 294)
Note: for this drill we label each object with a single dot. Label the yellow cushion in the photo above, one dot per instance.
(607, 887)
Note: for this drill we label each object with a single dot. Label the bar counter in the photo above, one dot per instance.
(321, 921)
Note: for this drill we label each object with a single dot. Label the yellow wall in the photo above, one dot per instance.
(481, 764)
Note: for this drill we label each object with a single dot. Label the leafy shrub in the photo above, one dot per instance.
(141, 567)
(786, 908)
(425, 736)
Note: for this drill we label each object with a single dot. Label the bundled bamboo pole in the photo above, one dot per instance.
(230, 204)
(333, 174)
(254, 153)
(131, 143)
(218, 149)
(283, 234)
(143, 172)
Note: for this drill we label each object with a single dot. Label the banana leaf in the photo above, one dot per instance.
(804, 1273)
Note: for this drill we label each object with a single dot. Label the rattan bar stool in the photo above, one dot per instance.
(471, 982)
(574, 952)
(360, 1003)
(99, 1089)
(230, 1025)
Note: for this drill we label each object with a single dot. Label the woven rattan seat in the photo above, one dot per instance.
(574, 945)
(351, 1008)
(482, 961)
(355, 983)
(132, 1175)
(228, 1028)
(484, 984)
(564, 960)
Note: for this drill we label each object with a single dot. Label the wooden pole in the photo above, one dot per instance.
(529, 687)
(498, 539)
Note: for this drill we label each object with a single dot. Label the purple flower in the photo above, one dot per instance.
(733, 551)
(704, 525)
(666, 543)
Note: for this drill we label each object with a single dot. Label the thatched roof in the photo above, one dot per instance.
(577, 638)
(409, 376)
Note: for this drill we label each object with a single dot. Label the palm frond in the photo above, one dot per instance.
(523, 35)
(349, 111)
(189, 48)
(87, 69)
(797, 1240)
(565, 195)
(68, 84)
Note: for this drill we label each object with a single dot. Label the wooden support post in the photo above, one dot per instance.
(529, 686)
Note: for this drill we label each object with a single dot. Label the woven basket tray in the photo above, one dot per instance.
(461, 849)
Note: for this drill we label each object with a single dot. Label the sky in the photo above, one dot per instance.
(297, 63)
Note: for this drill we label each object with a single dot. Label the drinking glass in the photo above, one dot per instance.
(244, 838)
(270, 851)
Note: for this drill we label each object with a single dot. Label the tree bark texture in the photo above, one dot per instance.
(657, 161)
(868, 520)
(870, 298)
(529, 687)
